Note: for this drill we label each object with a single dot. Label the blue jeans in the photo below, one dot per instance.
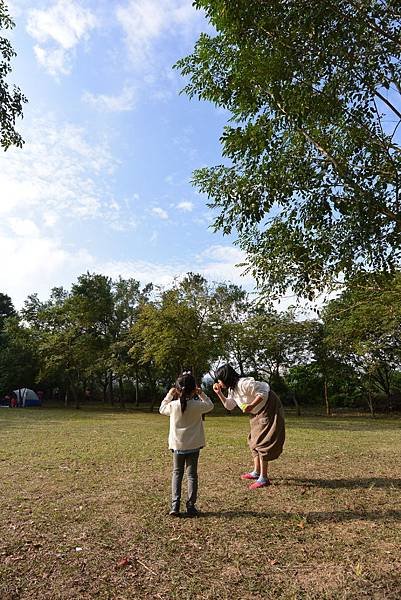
(180, 463)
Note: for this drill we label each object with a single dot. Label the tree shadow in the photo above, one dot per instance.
(313, 517)
(345, 423)
(356, 483)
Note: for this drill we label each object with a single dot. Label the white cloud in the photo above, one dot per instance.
(55, 61)
(144, 21)
(49, 189)
(219, 262)
(185, 206)
(37, 264)
(216, 263)
(143, 271)
(120, 103)
(160, 212)
(60, 177)
(49, 218)
(23, 227)
(58, 30)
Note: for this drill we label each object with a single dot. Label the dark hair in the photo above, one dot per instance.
(186, 384)
(227, 375)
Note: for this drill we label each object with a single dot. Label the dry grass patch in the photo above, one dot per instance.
(85, 497)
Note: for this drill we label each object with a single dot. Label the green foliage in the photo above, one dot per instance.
(19, 362)
(276, 341)
(306, 381)
(6, 309)
(311, 176)
(120, 340)
(11, 101)
(177, 330)
(364, 328)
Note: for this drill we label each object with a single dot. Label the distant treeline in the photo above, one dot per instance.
(117, 342)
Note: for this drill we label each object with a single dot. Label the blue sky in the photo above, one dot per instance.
(103, 181)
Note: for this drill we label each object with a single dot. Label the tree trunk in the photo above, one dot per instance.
(66, 397)
(104, 391)
(121, 392)
(104, 383)
(153, 396)
(111, 390)
(75, 395)
(296, 403)
(326, 398)
(153, 400)
(389, 401)
(136, 388)
(370, 403)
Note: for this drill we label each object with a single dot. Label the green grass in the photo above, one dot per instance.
(98, 481)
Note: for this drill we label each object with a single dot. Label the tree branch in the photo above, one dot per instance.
(389, 104)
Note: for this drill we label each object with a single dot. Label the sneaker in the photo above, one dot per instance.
(192, 511)
(174, 513)
(259, 484)
(249, 476)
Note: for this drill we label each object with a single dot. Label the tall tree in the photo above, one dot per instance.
(6, 308)
(312, 177)
(229, 329)
(363, 327)
(11, 100)
(176, 330)
(19, 364)
(128, 298)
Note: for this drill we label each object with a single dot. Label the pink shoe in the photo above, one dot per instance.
(249, 476)
(259, 484)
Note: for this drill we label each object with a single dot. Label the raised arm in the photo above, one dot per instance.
(228, 403)
(206, 404)
(165, 405)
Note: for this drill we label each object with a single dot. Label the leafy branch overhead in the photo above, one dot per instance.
(11, 99)
(311, 176)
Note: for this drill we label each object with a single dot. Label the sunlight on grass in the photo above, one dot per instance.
(85, 497)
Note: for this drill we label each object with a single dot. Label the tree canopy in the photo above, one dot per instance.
(311, 180)
(11, 99)
(118, 341)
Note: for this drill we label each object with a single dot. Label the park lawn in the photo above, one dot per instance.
(85, 495)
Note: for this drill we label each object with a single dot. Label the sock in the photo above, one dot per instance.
(254, 473)
(262, 479)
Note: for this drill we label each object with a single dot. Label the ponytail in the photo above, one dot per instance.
(186, 385)
(183, 402)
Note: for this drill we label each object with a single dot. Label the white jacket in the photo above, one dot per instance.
(245, 392)
(186, 429)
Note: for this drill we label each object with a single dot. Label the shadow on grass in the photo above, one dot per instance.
(309, 517)
(344, 424)
(367, 483)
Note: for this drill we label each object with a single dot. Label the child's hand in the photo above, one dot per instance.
(247, 408)
(198, 391)
(174, 392)
(217, 388)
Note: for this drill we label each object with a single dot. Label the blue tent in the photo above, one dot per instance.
(27, 397)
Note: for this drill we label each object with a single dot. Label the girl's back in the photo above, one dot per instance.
(186, 428)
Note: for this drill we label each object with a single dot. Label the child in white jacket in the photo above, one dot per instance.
(185, 404)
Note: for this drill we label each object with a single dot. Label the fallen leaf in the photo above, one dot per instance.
(124, 562)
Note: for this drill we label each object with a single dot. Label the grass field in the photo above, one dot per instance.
(85, 496)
